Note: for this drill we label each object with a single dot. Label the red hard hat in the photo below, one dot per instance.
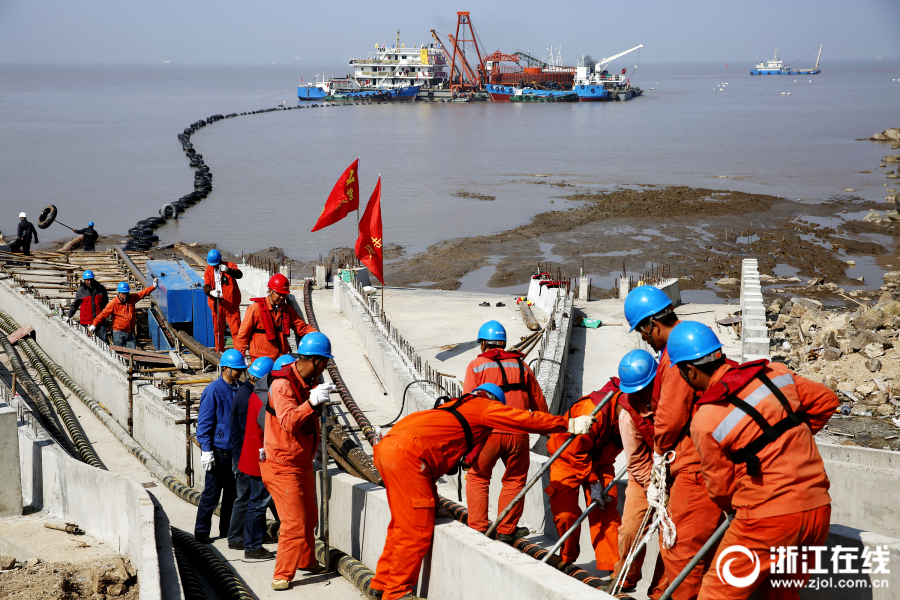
(279, 283)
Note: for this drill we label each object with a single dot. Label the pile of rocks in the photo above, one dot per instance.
(888, 135)
(854, 351)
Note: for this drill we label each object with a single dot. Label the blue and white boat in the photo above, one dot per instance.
(312, 91)
(595, 84)
(777, 67)
(505, 93)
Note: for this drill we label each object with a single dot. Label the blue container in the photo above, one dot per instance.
(157, 335)
(180, 297)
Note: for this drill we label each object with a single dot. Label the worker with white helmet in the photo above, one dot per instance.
(24, 235)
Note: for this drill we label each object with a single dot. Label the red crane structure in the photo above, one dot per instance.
(470, 79)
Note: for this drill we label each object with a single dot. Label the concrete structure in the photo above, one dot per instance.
(754, 333)
(10, 473)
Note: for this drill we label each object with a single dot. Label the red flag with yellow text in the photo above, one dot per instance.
(342, 200)
(369, 244)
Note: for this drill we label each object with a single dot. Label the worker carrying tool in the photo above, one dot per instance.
(122, 309)
(291, 440)
(220, 284)
(90, 300)
(637, 371)
(90, 237)
(268, 322)
(24, 235)
(677, 489)
(214, 437)
(423, 447)
(509, 371)
(753, 426)
(588, 463)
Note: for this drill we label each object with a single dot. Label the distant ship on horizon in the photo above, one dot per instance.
(777, 67)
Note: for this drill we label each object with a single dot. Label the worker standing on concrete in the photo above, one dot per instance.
(90, 300)
(268, 322)
(753, 427)
(220, 284)
(25, 233)
(423, 447)
(123, 312)
(260, 369)
(589, 464)
(509, 371)
(213, 435)
(90, 237)
(637, 371)
(291, 441)
(678, 487)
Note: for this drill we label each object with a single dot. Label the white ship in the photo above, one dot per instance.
(396, 66)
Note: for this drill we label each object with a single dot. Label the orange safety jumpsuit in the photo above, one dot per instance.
(290, 441)
(123, 313)
(265, 331)
(778, 489)
(588, 459)
(520, 386)
(636, 428)
(228, 306)
(693, 513)
(419, 449)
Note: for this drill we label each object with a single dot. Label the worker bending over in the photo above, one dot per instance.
(122, 309)
(649, 311)
(753, 427)
(214, 437)
(637, 371)
(90, 237)
(290, 443)
(268, 322)
(220, 284)
(90, 300)
(423, 447)
(509, 371)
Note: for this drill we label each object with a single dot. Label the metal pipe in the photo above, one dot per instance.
(577, 524)
(542, 470)
(712, 541)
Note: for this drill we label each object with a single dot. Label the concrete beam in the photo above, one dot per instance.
(10, 472)
(754, 333)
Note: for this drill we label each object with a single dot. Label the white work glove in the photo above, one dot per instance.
(378, 435)
(320, 393)
(597, 493)
(68, 320)
(581, 425)
(156, 282)
(215, 293)
(223, 267)
(262, 455)
(207, 459)
(92, 328)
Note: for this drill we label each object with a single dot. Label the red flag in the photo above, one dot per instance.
(368, 245)
(342, 200)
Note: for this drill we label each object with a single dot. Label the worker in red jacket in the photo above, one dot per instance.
(421, 448)
(509, 371)
(220, 284)
(122, 309)
(678, 486)
(753, 427)
(268, 322)
(90, 299)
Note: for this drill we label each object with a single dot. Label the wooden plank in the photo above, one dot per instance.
(158, 360)
(19, 333)
(124, 350)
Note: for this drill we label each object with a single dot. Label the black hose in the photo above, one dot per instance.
(222, 578)
(353, 571)
(190, 583)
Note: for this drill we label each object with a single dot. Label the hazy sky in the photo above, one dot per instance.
(235, 32)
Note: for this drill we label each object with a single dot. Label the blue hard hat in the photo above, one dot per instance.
(315, 344)
(88, 275)
(492, 331)
(90, 223)
(690, 340)
(636, 371)
(644, 301)
(123, 287)
(261, 367)
(283, 361)
(493, 389)
(213, 257)
(233, 359)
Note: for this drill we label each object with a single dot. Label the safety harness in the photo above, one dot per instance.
(443, 403)
(514, 387)
(265, 315)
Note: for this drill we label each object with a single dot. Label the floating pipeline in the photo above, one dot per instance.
(190, 583)
(216, 571)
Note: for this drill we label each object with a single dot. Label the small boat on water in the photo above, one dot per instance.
(776, 66)
(506, 93)
(530, 98)
(595, 84)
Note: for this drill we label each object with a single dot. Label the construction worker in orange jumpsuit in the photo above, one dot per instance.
(220, 284)
(753, 426)
(637, 371)
(421, 448)
(268, 322)
(678, 486)
(509, 371)
(122, 309)
(291, 440)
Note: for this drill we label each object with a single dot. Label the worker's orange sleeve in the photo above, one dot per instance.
(497, 415)
(106, 311)
(242, 339)
(300, 326)
(292, 419)
(817, 401)
(144, 293)
(637, 454)
(539, 403)
(673, 412)
(469, 383)
(718, 469)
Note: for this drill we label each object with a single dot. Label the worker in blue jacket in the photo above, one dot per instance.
(213, 435)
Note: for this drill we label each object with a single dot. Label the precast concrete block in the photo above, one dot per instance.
(321, 272)
(10, 470)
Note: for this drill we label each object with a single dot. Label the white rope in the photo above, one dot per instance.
(632, 553)
(660, 499)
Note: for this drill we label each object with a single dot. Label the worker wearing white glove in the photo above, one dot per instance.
(597, 494)
(378, 435)
(223, 268)
(581, 425)
(207, 459)
(215, 294)
(320, 393)
(156, 282)
(92, 328)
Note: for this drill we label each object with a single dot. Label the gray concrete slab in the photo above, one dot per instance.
(10, 472)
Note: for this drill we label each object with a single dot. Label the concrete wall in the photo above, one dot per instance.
(554, 346)
(10, 473)
(754, 333)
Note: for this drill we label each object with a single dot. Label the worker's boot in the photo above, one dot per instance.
(316, 569)
(375, 594)
(519, 533)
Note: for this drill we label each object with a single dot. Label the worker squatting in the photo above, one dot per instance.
(706, 439)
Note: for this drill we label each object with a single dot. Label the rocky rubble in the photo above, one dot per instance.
(888, 135)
